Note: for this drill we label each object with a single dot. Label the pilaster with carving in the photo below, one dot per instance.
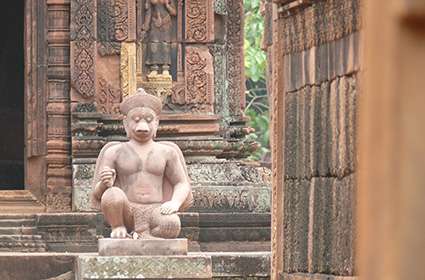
(199, 21)
(199, 79)
(83, 49)
(235, 58)
(59, 173)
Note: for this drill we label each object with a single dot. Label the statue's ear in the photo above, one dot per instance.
(156, 125)
(127, 130)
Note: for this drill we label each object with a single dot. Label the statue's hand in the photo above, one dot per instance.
(169, 207)
(107, 177)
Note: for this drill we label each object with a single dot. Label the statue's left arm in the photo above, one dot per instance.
(176, 174)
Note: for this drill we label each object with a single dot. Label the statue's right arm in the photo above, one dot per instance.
(108, 162)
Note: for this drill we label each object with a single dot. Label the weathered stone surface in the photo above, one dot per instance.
(319, 64)
(66, 276)
(231, 199)
(227, 172)
(71, 232)
(333, 227)
(235, 246)
(296, 224)
(234, 219)
(34, 266)
(305, 276)
(320, 129)
(142, 247)
(240, 265)
(144, 267)
(234, 234)
(319, 23)
(82, 177)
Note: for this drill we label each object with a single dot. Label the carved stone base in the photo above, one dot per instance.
(158, 84)
(144, 267)
(142, 247)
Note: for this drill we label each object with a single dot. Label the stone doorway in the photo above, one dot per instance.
(12, 97)
(22, 107)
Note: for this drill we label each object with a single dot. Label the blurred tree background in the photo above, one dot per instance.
(257, 107)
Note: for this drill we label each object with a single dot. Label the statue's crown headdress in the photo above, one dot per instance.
(141, 99)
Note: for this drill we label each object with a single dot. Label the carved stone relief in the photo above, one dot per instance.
(199, 21)
(199, 79)
(128, 68)
(83, 47)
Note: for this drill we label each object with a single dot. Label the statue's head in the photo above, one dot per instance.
(141, 115)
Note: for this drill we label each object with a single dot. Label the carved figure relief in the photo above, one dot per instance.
(157, 33)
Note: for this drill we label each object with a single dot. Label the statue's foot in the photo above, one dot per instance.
(146, 235)
(119, 232)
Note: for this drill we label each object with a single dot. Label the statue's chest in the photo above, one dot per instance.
(149, 162)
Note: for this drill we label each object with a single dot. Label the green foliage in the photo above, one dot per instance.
(255, 69)
(255, 58)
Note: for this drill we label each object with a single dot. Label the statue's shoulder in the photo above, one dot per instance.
(112, 148)
(169, 146)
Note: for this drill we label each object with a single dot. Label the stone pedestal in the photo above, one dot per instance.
(144, 267)
(142, 247)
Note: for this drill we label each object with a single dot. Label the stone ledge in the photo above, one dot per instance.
(142, 247)
(241, 265)
(144, 267)
(306, 276)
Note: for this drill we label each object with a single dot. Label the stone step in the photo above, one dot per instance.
(22, 243)
(17, 222)
(235, 246)
(17, 230)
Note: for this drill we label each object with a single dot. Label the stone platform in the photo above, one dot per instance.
(142, 247)
(67, 266)
(144, 267)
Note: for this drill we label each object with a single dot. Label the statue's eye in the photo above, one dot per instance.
(149, 119)
(137, 119)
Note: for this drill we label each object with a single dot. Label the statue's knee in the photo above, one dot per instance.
(168, 226)
(113, 196)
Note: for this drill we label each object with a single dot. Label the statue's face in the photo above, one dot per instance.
(141, 124)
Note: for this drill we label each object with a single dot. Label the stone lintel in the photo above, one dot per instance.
(142, 247)
(144, 267)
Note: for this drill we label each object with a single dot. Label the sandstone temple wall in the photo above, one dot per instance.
(314, 46)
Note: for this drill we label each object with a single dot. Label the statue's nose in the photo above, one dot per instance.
(142, 127)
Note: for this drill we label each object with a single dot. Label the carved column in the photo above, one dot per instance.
(59, 180)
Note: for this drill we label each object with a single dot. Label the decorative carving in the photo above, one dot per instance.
(105, 29)
(108, 98)
(178, 94)
(235, 59)
(120, 15)
(199, 77)
(159, 85)
(199, 21)
(128, 68)
(83, 47)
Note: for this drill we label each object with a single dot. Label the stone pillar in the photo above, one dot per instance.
(392, 142)
(315, 69)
